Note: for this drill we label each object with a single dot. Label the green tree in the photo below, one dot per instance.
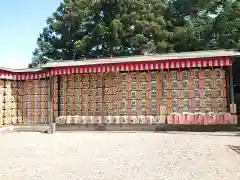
(193, 23)
(89, 28)
(226, 26)
(226, 32)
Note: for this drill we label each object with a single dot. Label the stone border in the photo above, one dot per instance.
(147, 127)
(6, 129)
(45, 128)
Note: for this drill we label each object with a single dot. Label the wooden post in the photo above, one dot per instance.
(232, 101)
(51, 119)
(46, 96)
(58, 93)
(17, 94)
(102, 108)
(22, 102)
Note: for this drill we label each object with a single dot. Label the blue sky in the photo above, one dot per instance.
(21, 23)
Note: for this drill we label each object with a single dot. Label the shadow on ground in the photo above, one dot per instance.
(234, 148)
(198, 128)
(202, 133)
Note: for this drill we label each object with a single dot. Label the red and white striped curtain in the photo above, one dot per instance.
(133, 66)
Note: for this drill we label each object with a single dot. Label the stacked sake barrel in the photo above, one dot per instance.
(183, 92)
(80, 96)
(8, 102)
(160, 102)
(11, 102)
(95, 94)
(98, 94)
(202, 90)
(61, 98)
(77, 95)
(62, 95)
(109, 96)
(123, 83)
(137, 94)
(69, 95)
(214, 90)
(55, 97)
(36, 94)
(143, 93)
(119, 97)
(85, 95)
(33, 101)
(203, 96)
(2, 103)
(91, 94)
(175, 89)
(38, 100)
(15, 103)
(20, 99)
(44, 101)
(164, 87)
(184, 89)
(152, 94)
(196, 91)
(28, 101)
(132, 94)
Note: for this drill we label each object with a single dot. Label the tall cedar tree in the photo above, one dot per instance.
(101, 28)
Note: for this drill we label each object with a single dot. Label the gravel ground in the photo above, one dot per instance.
(119, 156)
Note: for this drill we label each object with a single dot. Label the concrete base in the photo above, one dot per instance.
(45, 128)
(32, 128)
(106, 127)
(6, 129)
(199, 128)
(52, 127)
(146, 127)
